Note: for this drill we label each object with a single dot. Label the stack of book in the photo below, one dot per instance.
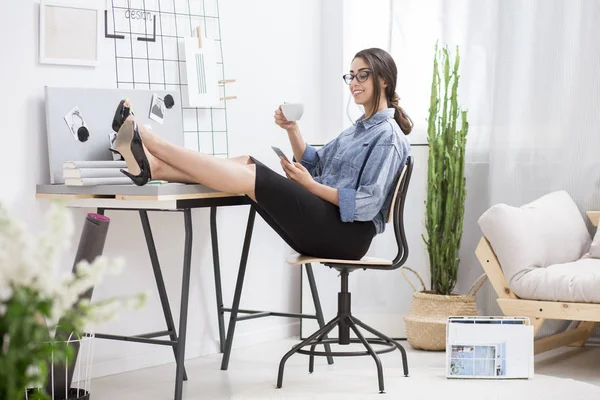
(90, 173)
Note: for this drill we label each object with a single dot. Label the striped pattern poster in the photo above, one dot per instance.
(201, 71)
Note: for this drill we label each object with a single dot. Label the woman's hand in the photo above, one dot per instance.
(297, 173)
(282, 121)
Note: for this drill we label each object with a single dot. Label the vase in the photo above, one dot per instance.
(428, 314)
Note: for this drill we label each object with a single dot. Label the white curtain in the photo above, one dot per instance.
(530, 80)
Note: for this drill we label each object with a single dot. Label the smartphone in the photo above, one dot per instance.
(280, 153)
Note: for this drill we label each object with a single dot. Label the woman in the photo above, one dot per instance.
(335, 200)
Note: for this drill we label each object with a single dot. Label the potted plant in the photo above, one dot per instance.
(38, 306)
(447, 136)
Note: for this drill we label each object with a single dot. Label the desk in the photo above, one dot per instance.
(174, 197)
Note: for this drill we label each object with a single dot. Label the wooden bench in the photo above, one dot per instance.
(587, 314)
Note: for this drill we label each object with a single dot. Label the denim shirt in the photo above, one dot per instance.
(379, 145)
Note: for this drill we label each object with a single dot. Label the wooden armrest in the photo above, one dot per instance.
(594, 217)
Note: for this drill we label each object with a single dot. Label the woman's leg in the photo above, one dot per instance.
(244, 160)
(163, 171)
(169, 173)
(216, 173)
(225, 175)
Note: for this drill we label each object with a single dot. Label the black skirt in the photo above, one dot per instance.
(307, 223)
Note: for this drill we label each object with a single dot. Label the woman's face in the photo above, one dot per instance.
(361, 86)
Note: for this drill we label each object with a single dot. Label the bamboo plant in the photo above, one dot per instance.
(445, 176)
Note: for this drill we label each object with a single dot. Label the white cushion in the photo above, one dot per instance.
(547, 231)
(576, 281)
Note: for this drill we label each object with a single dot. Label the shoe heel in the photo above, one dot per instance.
(130, 144)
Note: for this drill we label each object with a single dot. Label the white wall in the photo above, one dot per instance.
(273, 50)
(333, 67)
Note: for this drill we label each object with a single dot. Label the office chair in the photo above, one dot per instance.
(344, 319)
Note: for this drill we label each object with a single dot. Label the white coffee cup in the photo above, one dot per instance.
(292, 111)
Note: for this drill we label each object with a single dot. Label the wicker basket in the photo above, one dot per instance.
(428, 313)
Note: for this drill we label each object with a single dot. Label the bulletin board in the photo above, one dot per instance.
(149, 55)
(97, 107)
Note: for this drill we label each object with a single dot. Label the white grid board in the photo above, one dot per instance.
(161, 65)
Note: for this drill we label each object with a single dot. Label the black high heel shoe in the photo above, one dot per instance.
(116, 152)
(121, 113)
(129, 146)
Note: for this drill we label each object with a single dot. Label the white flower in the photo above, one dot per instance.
(32, 262)
(6, 293)
(14, 248)
(136, 302)
(85, 278)
(116, 266)
(105, 312)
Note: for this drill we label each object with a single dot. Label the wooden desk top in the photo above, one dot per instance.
(161, 196)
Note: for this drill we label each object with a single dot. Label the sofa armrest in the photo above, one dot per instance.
(594, 217)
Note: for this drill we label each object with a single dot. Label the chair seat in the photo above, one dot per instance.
(299, 259)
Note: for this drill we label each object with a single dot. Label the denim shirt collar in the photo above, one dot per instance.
(377, 118)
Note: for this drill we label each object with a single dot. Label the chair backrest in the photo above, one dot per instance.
(396, 215)
(397, 191)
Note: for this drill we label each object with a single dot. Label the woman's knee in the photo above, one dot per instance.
(250, 178)
(252, 168)
(244, 160)
(250, 188)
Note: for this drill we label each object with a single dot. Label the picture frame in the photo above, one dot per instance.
(157, 109)
(77, 126)
(76, 42)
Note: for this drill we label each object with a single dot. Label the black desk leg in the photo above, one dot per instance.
(185, 294)
(238, 290)
(318, 310)
(217, 269)
(160, 283)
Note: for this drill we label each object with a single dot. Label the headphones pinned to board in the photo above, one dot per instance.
(83, 133)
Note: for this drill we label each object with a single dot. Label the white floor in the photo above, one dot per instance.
(566, 374)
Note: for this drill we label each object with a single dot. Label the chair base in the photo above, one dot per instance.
(345, 321)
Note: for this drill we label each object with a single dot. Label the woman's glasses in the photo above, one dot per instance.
(362, 76)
